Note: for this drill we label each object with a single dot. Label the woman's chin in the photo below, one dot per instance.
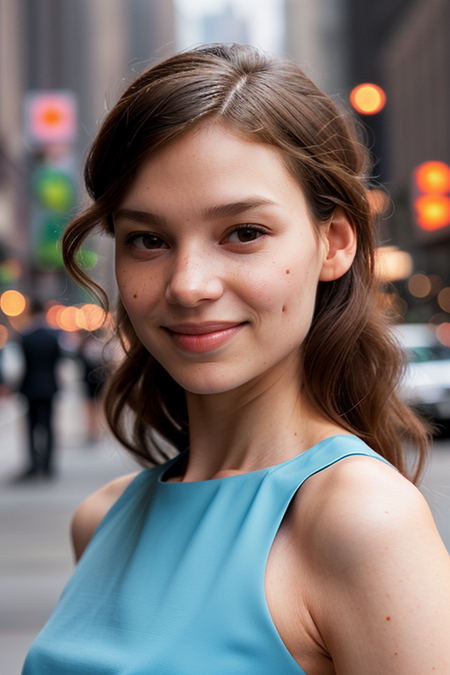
(207, 384)
(205, 388)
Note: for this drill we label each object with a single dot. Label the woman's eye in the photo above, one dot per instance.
(147, 242)
(245, 234)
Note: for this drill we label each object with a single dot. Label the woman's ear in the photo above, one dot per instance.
(340, 247)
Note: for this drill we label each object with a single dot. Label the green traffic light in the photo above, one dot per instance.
(54, 190)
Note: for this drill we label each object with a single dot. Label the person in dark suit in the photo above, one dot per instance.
(41, 351)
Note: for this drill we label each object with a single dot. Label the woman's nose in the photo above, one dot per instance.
(194, 279)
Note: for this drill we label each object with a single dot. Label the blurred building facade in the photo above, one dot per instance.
(316, 39)
(224, 27)
(403, 46)
(11, 139)
(94, 47)
(90, 47)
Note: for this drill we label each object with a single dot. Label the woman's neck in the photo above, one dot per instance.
(258, 425)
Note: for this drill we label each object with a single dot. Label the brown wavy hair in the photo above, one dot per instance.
(351, 363)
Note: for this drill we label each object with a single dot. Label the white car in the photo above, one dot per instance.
(426, 385)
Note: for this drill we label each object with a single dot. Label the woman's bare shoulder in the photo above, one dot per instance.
(92, 510)
(380, 574)
(357, 499)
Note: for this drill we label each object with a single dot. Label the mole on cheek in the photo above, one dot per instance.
(135, 296)
(288, 271)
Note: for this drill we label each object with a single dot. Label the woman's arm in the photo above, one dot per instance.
(381, 592)
(92, 510)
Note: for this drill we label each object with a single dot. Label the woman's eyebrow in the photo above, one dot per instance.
(139, 217)
(211, 213)
(235, 208)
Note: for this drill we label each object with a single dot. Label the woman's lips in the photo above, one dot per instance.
(205, 337)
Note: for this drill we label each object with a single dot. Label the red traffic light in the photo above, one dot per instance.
(433, 211)
(432, 195)
(433, 178)
(51, 116)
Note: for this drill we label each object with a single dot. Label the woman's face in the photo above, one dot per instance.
(217, 260)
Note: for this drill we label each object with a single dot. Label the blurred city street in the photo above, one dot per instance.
(35, 553)
(35, 556)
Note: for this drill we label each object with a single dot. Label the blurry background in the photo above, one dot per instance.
(87, 51)
(63, 64)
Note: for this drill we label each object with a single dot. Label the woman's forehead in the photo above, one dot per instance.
(214, 161)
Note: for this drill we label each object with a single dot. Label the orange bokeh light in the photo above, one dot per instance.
(433, 211)
(12, 303)
(419, 285)
(67, 319)
(444, 299)
(91, 317)
(88, 317)
(433, 178)
(368, 99)
(52, 315)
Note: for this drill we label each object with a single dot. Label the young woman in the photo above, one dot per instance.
(286, 536)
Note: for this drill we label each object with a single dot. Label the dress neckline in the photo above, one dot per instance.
(162, 478)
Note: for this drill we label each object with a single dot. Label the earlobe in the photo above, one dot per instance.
(340, 247)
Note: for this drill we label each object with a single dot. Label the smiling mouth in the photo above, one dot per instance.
(202, 337)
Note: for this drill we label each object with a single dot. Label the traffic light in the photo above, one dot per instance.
(431, 195)
(54, 197)
(54, 189)
(51, 129)
(50, 117)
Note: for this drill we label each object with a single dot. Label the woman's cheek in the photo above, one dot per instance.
(135, 290)
(274, 290)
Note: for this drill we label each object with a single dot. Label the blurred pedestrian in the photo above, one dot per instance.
(95, 372)
(41, 353)
(285, 535)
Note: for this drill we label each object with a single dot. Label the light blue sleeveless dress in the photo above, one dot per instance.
(172, 582)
